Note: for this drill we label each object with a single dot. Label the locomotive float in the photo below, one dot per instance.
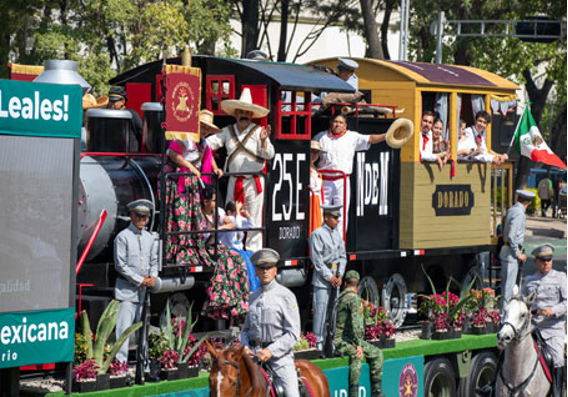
(406, 217)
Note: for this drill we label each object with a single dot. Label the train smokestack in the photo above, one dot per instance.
(62, 72)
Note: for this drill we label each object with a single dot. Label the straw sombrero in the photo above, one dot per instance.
(244, 103)
(315, 145)
(206, 117)
(399, 133)
(90, 102)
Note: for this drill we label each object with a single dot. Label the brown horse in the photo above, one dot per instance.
(234, 374)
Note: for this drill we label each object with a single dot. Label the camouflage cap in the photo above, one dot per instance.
(352, 274)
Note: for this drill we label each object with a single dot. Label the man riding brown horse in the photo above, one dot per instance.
(271, 329)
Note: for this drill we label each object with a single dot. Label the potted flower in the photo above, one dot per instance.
(444, 313)
(305, 348)
(378, 330)
(92, 373)
(484, 316)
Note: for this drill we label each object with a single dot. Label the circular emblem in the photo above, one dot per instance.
(408, 382)
(183, 100)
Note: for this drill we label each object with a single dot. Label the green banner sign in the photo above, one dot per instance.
(40, 109)
(41, 337)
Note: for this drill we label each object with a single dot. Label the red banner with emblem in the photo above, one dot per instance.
(182, 102)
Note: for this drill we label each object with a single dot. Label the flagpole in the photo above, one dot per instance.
(517, 127)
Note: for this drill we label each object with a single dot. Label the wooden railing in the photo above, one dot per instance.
(502, 194)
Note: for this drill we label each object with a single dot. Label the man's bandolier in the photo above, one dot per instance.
(350, 333)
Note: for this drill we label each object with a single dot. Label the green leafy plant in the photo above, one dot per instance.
(178, 341)
(106, 324)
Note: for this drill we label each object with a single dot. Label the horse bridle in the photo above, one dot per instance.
(238, 381)
(514, 390)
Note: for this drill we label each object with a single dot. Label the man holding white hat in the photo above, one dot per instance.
(248, 146)
(514, 227)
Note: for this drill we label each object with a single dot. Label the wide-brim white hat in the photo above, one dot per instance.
(244, 103)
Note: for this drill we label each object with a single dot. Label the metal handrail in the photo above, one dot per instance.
(164, 234)
(326, 175)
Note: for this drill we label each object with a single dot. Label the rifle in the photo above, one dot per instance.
(520, 270)
(330, 319)
(142, 349)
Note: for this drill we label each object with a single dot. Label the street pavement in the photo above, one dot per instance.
(545, 230)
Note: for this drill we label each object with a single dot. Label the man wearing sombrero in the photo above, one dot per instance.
(248, 146)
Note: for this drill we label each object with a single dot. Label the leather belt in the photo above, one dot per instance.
(262, 345)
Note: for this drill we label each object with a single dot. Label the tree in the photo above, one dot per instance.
(509, 57)
(109, 36)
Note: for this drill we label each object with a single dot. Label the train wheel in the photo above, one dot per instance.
(394, 299)
(369, 290)
(482, 372)
(179, 305)
(439, 379)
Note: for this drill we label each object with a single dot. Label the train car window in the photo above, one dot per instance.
(293, 115)
(218, 88)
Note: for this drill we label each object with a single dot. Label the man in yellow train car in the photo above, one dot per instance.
(477, 134)
(426, 141)
(338, 146)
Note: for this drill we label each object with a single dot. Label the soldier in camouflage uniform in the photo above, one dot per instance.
(349, 338)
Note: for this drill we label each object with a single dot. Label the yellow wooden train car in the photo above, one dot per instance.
(450, 207)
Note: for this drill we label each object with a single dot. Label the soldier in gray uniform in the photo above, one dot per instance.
(549, 308)
(514, 226)
(136, 261)
(272, 325)
(327, 252)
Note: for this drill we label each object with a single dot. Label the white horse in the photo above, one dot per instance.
(521, 374)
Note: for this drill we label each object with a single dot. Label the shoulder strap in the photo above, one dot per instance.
(241, 145)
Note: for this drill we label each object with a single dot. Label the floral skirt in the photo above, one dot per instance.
(229, 290)
(183, 213)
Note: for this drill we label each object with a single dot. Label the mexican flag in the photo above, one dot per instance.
(529, 142)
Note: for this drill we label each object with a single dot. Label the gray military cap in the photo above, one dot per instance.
(347, 64)
(525, 194)
(257, 55)
(141, 207)
(333, 210)
(265, 257)
(543, 251)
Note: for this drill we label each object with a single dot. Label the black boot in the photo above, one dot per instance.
(558, 382)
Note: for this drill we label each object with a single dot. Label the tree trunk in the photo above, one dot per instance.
(284, 4)
(558, 134)
(249, 24)
(389, 5)
(375, 49)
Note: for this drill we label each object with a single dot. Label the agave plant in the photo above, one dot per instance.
(178, 343)
(105, 326)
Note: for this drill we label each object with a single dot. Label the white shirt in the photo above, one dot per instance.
(316, 182)
(242, 162)
(466, 143)
(426, 148)
(473, 135)
(339, 152)
(235, 239)
(191, 151)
